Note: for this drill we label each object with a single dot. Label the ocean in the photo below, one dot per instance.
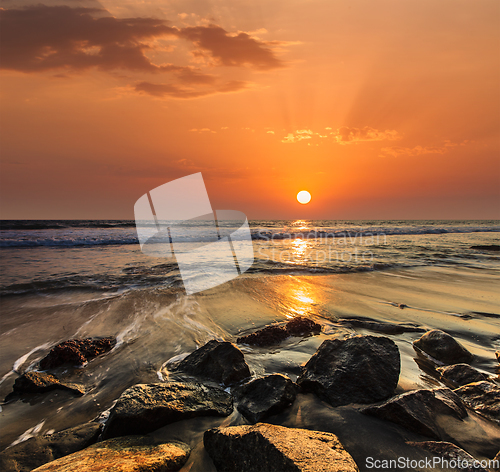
(67, 279)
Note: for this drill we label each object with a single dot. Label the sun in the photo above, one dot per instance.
(304, 197)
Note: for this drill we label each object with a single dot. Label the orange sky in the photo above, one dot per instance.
(382, 109)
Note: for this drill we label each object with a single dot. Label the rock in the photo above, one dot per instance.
(443, 347)
(270, 448)
(266, 396)
(222, 362)
(146, 407)
(270, 335)
(41, 382)
(460, 374)
(127, 454)
(417, 410)
(76, 352)
(39, 450)
(449, 452)
(487, 247)
(300, 326)
(361, 369)
(497, 354)
(496, 460)
(267, 336)
(380, 326)
(483, 397)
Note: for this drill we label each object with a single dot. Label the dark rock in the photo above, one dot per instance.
(487, 247)
(267, 336)
(146, 407)
(76, 352)
(266, 396)
(39, 450)
(443, 347)
(361, 369)
(127, 454)
(497, 354)
(41, 382)
(496, 466)
(380, 326)
(270, 335)
(270, 448)
(222, 362)
(460, 374)
(482, 397)
(300, 326)
(417, 411)
(449, 452)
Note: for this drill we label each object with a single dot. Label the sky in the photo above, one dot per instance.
(386, 109)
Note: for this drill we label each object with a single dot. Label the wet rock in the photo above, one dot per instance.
(76, 352)
(270, 335)
(39, 450)
(443, 347)
(418, 410)
(127, 454)
(487, 247)
(460, 374)
(270, 448)
(380, 326)
(497, 354)
(361, 369)
(449, 452)
(146, 407)
(266, 396)
(222, 362)
(41, 382)
(300, 326)
(483, 398)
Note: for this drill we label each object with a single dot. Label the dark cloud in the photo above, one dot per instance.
(176, 91)
(232, 50)
(40, 38)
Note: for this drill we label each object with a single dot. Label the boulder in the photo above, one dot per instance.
(460, 374)
(497, 354)
(442, 347)
(450, 452)
(270, 335)
(39, 450)
(76, 352)
(361, 369)
(418, 410)
(127, 454)
(483, 397)
(219, 361)
(41, 382)
(146, 407)
(270, 448)
(266, 396)
(380, 326)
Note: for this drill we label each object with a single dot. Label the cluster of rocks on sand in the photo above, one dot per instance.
(360, 369)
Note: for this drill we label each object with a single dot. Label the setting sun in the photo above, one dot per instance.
(304, 197)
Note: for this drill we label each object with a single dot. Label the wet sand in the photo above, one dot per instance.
(154, 326)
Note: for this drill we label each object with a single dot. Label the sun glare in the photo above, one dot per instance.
(304, 197)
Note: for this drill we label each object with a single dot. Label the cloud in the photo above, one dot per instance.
(232, 50)
(177, 91)
(396, 151)
(291, 138)
(346, 135)
(40, 38)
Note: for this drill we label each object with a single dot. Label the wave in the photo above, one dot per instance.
(63, 224)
